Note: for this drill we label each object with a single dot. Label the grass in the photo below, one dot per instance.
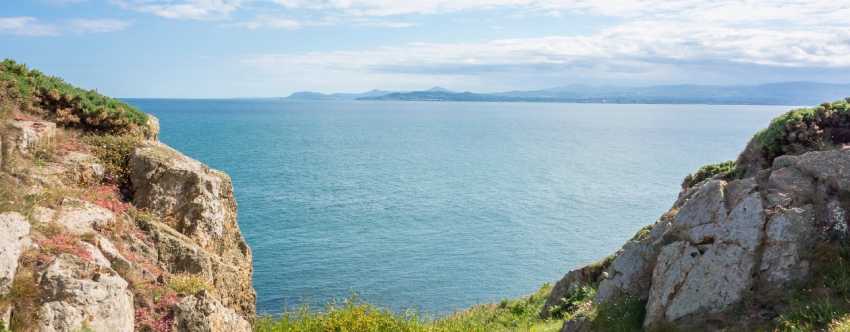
(355, 315)
(825, 301)
(34, 92)
(188, 284)
(727, 169)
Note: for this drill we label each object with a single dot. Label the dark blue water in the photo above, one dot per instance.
(438, 206)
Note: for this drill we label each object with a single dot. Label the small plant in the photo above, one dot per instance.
(726, 169)
(65, 243)
(114, 152)
(188, 284)
(625, 314)
(23, 294)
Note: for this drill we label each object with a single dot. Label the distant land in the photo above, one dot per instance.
(785, 93)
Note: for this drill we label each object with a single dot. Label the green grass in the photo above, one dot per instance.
(33, 91)
(825, 301)
(355, 315)
(727, 168)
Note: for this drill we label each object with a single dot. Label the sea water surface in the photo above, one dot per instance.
(437, 206)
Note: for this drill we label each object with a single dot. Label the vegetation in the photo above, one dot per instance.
(355, 315)
(726, 169)
(114, 152)
(825, 301)
(806, 129)
(625, 314)
(188, 284)
(34, 92)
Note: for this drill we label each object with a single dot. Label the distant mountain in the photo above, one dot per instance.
(787, 93)
(309, 95)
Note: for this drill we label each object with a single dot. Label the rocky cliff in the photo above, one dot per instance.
(744, 249)
(103, 228)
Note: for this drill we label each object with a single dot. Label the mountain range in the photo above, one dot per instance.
(784, 93)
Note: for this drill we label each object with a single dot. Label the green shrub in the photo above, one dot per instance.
(114, 152)
(806, 129)
(35, 92)
(625, 314)
(188, 284)
(727, 169)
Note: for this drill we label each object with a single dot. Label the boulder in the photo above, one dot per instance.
(77, 295)
(202, 313)
(14, 239)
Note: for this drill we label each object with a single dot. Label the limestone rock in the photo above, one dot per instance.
(199, 199)
(151, 132)
(14, 239)
(81, 217)
(198, 203)
(201, 313)
(572, 281)
(179, 254)
(711, 268)
(78, 295)
(29, 135)
(790, 235)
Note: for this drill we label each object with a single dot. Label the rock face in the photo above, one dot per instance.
(28, 135)
(14, 238)
(78, 295)
(724, 241)
(201, 313)
(201, 236)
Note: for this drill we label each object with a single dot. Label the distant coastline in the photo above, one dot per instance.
(786, 93)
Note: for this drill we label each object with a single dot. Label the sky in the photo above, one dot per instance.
(271, 48)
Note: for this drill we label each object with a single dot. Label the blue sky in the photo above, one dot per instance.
(264, 48)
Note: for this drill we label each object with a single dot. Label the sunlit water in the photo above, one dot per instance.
(438, 206)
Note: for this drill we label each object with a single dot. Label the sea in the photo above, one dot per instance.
(437, 206)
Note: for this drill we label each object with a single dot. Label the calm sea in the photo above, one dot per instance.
(438, 206)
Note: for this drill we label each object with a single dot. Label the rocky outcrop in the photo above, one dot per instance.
(199, 233)
(727, 243)
(14, 238)
(202, 313)
(79, 295)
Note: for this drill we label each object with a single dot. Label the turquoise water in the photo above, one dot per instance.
(438, 206)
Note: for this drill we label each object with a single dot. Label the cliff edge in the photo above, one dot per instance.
(756, 244)
(103, 227)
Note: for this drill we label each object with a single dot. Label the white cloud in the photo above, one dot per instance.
(33, 27)
(26, 26)
(184, 9)
(270, 22)
(97, 25)
(719, 10)
(640, 51)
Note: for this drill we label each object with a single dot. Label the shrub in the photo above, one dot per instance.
(35, 92)
(806, 129)
(625, 314)
(727, 169)
(188, 284)
(114, 152)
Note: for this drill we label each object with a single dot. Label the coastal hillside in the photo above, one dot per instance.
(102, 227)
